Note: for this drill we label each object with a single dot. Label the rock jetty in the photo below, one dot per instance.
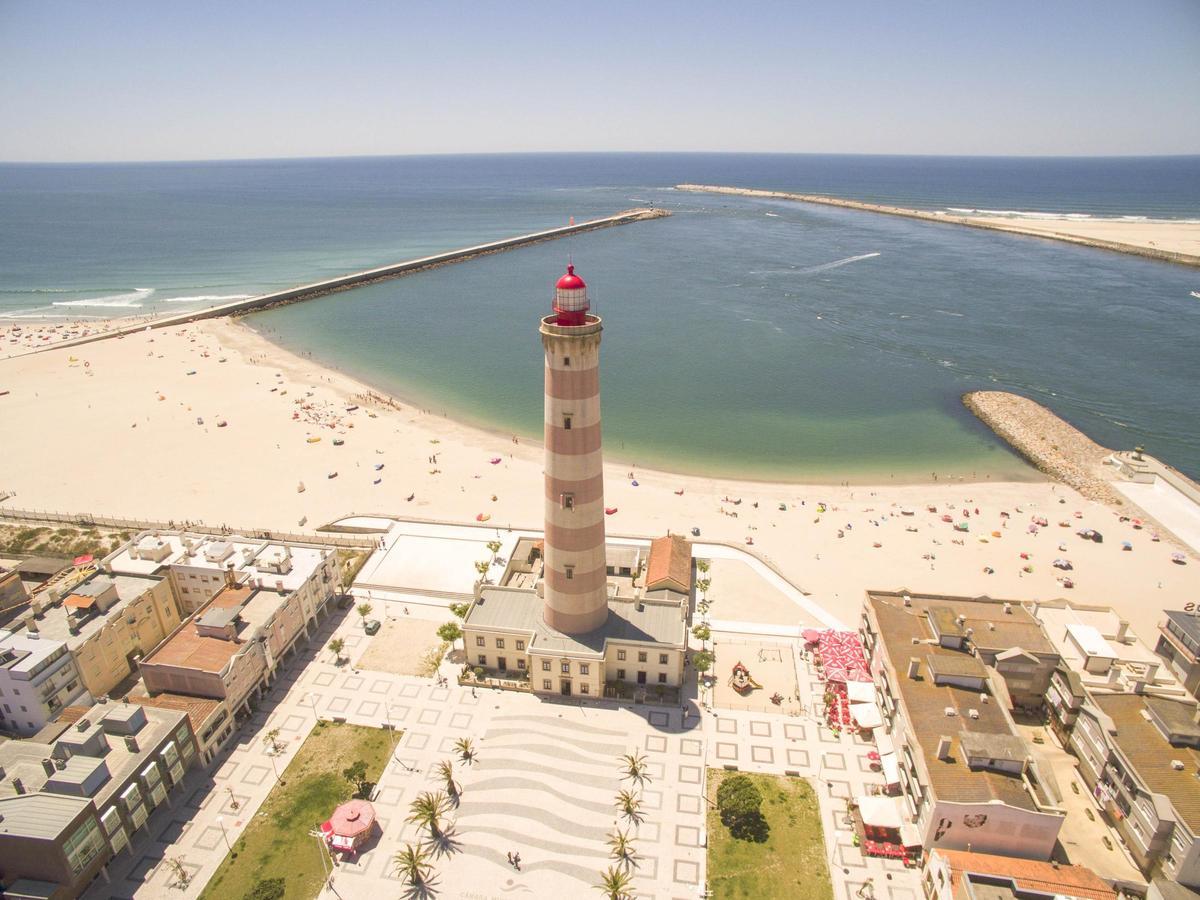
(1051, 444)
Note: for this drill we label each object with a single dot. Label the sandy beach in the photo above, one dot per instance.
(1165, 239)
(132, 427)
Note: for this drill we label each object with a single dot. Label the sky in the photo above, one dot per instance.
(115, 80)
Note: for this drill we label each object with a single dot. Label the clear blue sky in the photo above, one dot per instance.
(119, 80)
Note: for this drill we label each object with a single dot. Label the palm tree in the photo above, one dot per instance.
(364, 610)
(633, 767)
(615, 884)
(621, 846)
(428, 810)
(337, 645)
(412, 864)
(466, 750)
(271, 739)
(628, 803)
(445, 771)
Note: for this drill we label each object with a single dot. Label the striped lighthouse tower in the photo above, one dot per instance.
(574, 579)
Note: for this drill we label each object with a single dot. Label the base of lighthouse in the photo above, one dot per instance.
(638, 652)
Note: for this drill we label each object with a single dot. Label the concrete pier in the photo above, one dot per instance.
(367, 276)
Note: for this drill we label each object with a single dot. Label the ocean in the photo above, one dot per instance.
(743, 337)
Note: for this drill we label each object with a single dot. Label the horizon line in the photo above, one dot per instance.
(449, 154)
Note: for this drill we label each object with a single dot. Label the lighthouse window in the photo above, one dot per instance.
(568, 501)
(566, 423)
(570, 571)
(566, 361)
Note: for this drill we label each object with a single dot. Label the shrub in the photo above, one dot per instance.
(267, 889)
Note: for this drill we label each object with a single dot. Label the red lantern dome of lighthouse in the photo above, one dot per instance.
(570, 299)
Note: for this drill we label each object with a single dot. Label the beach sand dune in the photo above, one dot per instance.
(125, 429)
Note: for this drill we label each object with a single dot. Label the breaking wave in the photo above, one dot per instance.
(123, 301)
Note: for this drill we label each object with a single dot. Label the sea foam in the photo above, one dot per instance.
(123, 301)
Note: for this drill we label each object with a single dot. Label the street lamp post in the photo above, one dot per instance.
(221, 822)
(392, 728)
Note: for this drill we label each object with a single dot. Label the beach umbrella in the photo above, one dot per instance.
(1179, 559)
(1032, 529)
(1126, 545)
(83, 560)
(1063, 564)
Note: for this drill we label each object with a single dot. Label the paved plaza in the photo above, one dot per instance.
(542, 786)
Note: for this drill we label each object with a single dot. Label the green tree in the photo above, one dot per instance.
(702, 633)
(412, 864)
(702, 661)
(615, 884)
(450, 632)
(363, 610)
(445, 771)
(633, 767)
(493, 547)
(271, 739)
(739, 802)
(620, 846)
(465, 748)
(629, 805)
(337, 645)
(482, 567)
(460, 609)
(702, 585)
(702, 566)
(428, 811)
(356, 774)
(268, 889)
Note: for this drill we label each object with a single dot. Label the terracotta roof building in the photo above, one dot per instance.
(966, 776)
(670, 565)
(958, 875)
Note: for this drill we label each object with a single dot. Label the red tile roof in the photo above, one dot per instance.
(198, 709)
(670, 564)
(1031, 874)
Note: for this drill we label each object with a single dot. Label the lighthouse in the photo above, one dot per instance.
(574, 576)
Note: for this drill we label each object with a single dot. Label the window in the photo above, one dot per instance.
(568, 501)
(502, 663)
(583, 688)
(545, 665)
(520, 645)
(621, 655)
(521, 664)
(479, 642)
(84, 846)
(662, 677)
(584, 668)
(499, 643)
(566, 361)
(546, 686)
(566, 668)
(482, 659)
(570, 570)
(641, 657)
(566, 423)
(662, 659)
(620, 674)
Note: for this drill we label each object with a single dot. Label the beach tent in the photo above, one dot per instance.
(866, 715)
(860, 692)
(350, 825)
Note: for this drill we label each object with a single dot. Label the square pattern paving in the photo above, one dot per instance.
(323, 679)
(690, 774)
(353, 683)
(652, 800)
(839, 789)
(209, 838)
(416, 740)
(656, 743)
(429, 716)
(460, 721)
(687, 836)
(760, 729)
(255, 775)
(292, 723)
(367, 708)
(835, 761)
(411, 691)
(379, 687)
(793, 732)
(688, 803)
(691, 747)
(797, 757)
(659, 719)
(762, 754)
(686, 871)
(727, 726)
(727, 751)
(338, 704)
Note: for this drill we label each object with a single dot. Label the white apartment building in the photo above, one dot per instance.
(38, 677)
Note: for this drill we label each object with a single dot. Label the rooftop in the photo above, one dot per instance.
(45, 566)
(993, 624)
(23, 759)
(38, 815)
(1151, 754)
(55, 620)
(670, 564)
(188, 649)
(1186, 622)
(926, 704)
(521, 610)
(1028, 874)
(198, 709)
(28, 650)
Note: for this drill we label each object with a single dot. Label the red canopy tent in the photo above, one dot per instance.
(349, 826)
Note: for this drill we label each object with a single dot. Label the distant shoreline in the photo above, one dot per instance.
(1161, 239)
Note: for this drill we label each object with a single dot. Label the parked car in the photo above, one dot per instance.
(371, 626)
(345, 602)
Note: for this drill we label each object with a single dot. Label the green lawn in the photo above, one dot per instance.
(277, 843)
(790, 864)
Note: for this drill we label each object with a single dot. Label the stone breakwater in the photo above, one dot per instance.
(1009, 226)
(1051, 444)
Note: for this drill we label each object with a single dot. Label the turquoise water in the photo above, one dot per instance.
(747, 337)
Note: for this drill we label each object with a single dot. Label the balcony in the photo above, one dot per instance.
(1177, 642)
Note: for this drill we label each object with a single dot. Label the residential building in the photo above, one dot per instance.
(68, 805)
(966, 777)
(1140, 756)
(13, 592)
(109, 621)
(211, 722)
(669, 567)
(959, 875)
(1179, 644)
(38, 677)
